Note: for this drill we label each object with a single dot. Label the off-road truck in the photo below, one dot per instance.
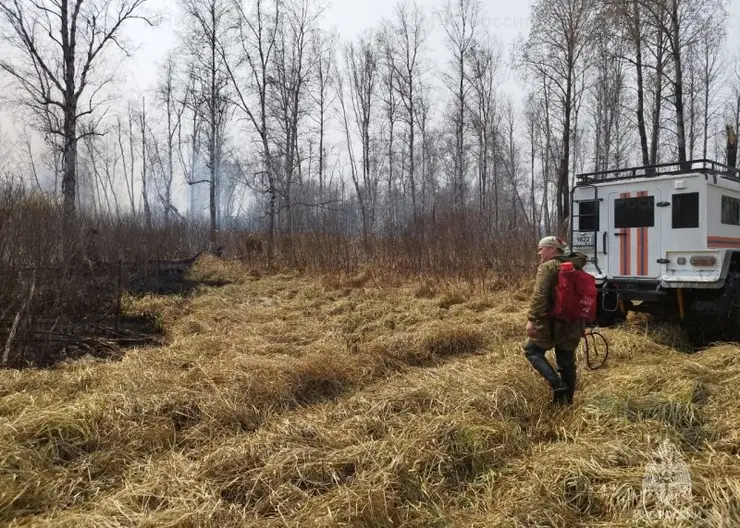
(663, 240)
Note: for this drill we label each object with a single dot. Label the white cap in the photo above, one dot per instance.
(553, 241)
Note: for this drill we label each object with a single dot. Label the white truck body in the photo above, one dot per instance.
(677, 229)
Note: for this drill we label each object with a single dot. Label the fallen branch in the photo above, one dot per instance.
(16, 322)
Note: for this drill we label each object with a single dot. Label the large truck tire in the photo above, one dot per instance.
(715, 316)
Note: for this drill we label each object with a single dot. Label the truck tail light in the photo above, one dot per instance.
(704, 261)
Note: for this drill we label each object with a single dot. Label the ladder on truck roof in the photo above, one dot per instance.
(595, 214)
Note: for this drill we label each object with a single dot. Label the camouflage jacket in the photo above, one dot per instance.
(549, 332)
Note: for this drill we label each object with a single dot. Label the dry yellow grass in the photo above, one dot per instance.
(295, 401)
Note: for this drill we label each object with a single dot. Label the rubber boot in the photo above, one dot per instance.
(536, 357)
(561, 396)
(568, 386)
(567, 371)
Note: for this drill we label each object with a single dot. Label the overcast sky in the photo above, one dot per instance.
(506, 20)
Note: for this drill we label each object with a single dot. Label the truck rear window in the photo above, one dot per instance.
(634, 212)
(685, 210)
(588, 216)
(730, 210)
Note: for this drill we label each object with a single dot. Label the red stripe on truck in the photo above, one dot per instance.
(625, 243)
(721, 242)
(642, 245)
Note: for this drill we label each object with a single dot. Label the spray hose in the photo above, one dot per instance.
(596, 349)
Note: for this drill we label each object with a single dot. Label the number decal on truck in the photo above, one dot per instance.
(584, 239)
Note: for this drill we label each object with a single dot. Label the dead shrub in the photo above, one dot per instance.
(451, 340)
(481, 305)
(451, 299)
(425, 291)
(63, 290)
(322, 376)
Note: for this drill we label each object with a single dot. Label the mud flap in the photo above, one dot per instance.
(609, 309)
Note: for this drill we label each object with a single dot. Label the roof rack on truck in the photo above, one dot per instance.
(707, 167)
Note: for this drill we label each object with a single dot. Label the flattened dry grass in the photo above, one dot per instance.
(294, 401)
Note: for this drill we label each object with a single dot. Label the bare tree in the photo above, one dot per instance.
(732, 113)
(174, 107)
(128, 165)
(250, 76)
(391, 107)
(557, 50)
(684, 23)
(293, 65)
(550, 150)
(322, 94)
(712, 65)
(517, 214)
(406, 36)
(145, 160)
(27, 146)
(656, 76)
(627, 24)
(102, 157)
(361, 62)
(7, 159)
(673, 32)
(649, 29)
(189, 134)
(57, 48)
(484, 69)
(533, 118)
(460, 22)
(427, 174)
(209, 22)
(608, 103)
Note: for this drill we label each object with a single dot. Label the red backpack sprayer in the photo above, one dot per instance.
(575, 301)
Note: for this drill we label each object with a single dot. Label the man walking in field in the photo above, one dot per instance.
(545, 332)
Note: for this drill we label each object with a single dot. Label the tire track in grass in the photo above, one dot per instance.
(469, 438)
(197, 390)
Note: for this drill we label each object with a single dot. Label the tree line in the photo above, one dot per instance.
(293, 130)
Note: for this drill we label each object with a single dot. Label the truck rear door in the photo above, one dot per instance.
(633, 232)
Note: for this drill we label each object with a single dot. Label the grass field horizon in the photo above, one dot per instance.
(292, 400)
